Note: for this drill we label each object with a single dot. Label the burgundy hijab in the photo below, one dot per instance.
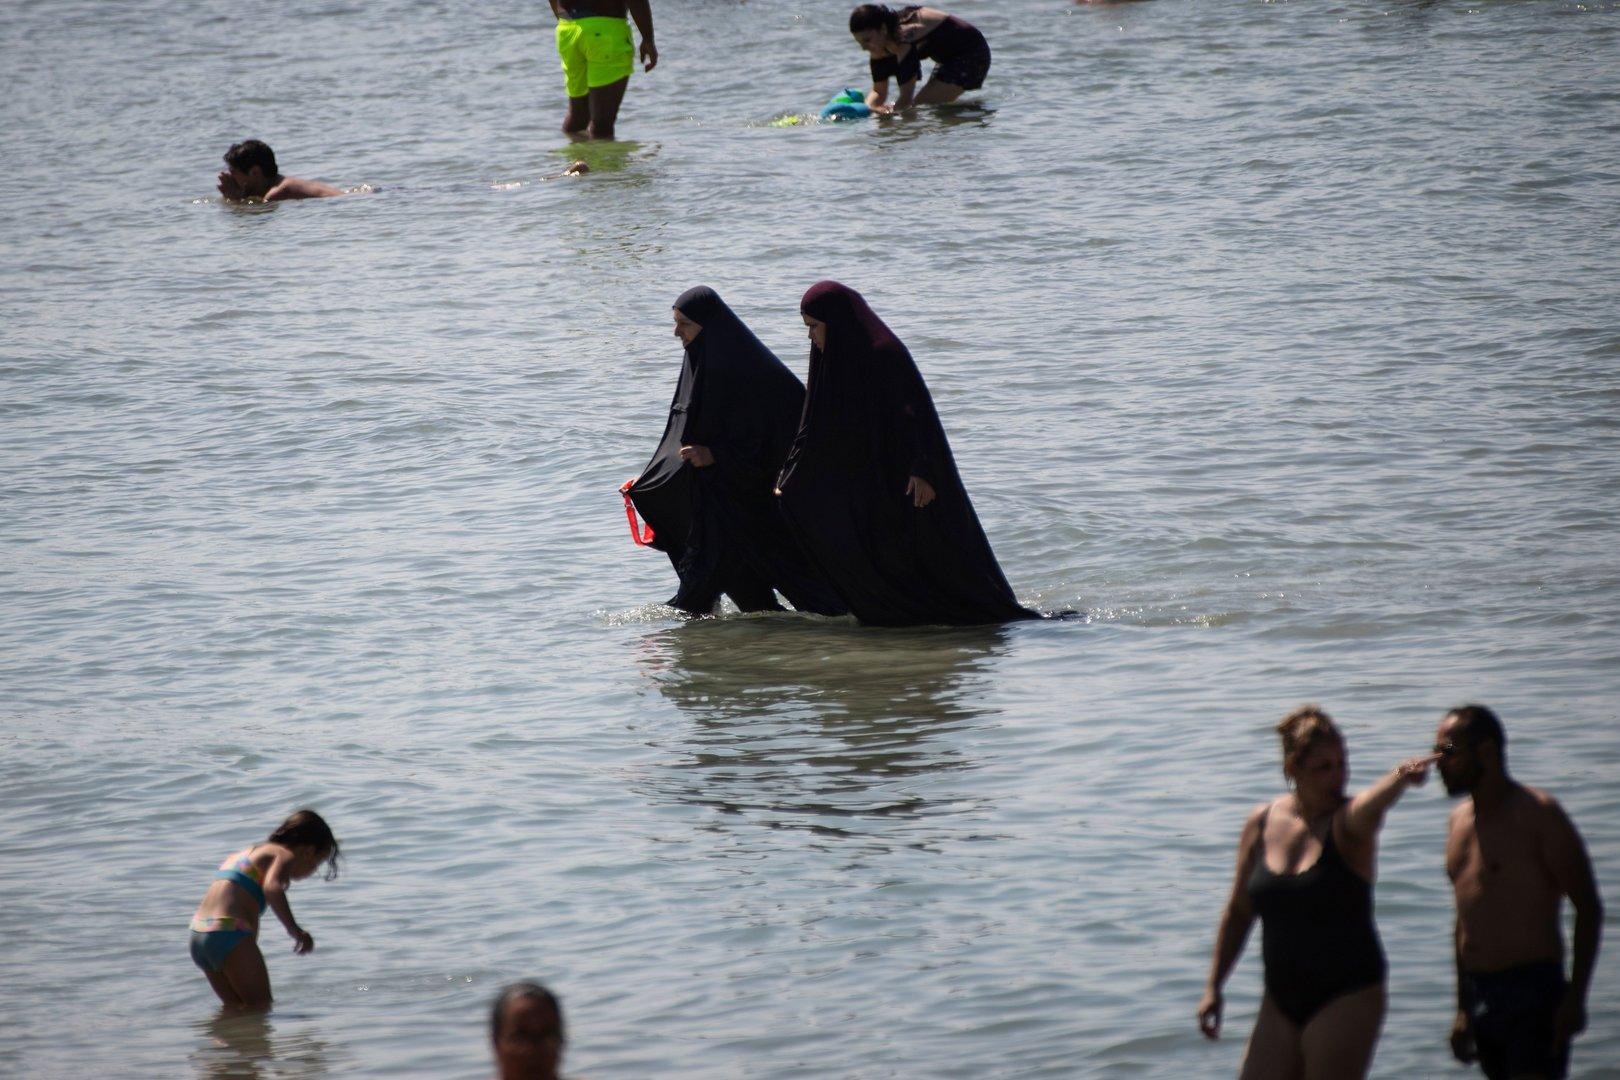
(869, 425)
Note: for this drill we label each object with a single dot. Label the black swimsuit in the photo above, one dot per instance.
(1319, 938)
(959, 51)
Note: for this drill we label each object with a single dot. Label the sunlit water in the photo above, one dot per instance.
(1279, 338)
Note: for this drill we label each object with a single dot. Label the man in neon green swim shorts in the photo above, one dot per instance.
(593, 39)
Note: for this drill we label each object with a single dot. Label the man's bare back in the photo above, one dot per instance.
(239, 189)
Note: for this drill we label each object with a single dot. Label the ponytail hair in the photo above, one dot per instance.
(307, 829)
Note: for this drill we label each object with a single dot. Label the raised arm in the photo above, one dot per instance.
(1571, 868)
(1365, 815)
(275, 894)
(1236, 921)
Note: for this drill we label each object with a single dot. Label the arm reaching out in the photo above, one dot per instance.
(876, 96)
(908, 90)
(275, 894)
(1366, 813)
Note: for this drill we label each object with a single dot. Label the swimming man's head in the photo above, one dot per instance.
(253, 166)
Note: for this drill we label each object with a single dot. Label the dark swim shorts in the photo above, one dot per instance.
(966, 70)
(1511, 1013)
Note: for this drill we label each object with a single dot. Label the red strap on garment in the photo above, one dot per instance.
(643, 536)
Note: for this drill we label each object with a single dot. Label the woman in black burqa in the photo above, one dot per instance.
(707, 490)
(870, 487)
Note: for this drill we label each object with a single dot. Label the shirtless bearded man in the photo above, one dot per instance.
(1512, 856)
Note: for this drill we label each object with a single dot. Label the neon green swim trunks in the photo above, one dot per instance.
(595, 52)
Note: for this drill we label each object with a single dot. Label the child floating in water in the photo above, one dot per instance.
(899, 41)
(225, 928)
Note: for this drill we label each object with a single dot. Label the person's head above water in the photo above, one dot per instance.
(1313, 752)
(253, 166)
(250, 154)
(527, 1031)
(875, 26)
(1472, 746)
(307, 833)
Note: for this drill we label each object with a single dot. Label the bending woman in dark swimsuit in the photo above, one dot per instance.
(899, 41)
(1306, 866)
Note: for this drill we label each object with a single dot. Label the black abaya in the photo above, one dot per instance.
(869, 425)
(719, 524)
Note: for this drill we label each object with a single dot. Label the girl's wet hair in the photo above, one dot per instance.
(1302, 731)
(306, 828)
(874, 17)
(516, 992)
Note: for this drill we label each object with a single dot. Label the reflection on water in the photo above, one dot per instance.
(606, 156)
(815, 723)
(932, 119)
(246, 1046)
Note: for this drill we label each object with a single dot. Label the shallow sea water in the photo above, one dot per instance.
(1279, 338)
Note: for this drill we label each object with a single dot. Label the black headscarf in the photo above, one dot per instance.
(869, 425)
(719, 524)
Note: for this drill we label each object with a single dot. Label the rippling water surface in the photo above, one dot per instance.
(1280, 338)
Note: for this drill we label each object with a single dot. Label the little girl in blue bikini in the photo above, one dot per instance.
(225, 928)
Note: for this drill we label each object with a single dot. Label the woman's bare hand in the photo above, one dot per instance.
(921, 492)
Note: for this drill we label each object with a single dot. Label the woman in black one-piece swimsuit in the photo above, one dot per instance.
(1305, 867)
(899, 41)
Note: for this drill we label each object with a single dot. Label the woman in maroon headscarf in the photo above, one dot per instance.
(870, 487)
